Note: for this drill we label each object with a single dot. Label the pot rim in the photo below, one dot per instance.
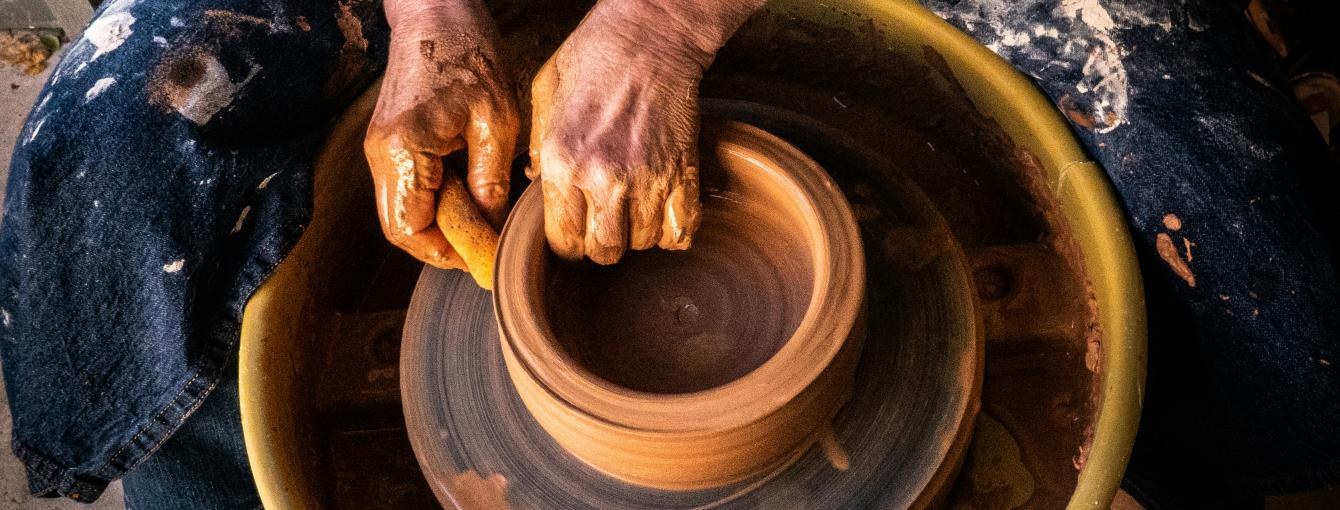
(837, 294)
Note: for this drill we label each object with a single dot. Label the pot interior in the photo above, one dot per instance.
(665, 321)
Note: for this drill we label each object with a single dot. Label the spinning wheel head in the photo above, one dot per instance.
(593, 388)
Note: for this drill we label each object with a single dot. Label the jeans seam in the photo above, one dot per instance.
(192, 400)
(48, 468)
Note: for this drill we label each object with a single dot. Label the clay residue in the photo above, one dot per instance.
(108, 32)
(469, 490)
(192, 82)
(833, 450)
(353, 53)
(24, 50)
(1172, 222)
(1169, 253)
(235, 19)
(174, 266)
(1079, 33)
(98, 88)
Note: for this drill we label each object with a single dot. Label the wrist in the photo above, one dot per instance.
(698, 26)
(419, 16)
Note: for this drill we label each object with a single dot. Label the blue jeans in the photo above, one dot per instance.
(163, 174)
(203, 466)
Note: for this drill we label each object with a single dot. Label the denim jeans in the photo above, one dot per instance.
(163, 174)
(203, 466)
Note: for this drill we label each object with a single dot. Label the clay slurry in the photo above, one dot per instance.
(684, 321)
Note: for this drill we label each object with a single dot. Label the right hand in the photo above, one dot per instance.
(444, 90)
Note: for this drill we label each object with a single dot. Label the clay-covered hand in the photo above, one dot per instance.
(444, 90)
(615, 125)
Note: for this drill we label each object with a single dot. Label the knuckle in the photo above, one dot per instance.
(492, 191)
(599, 175)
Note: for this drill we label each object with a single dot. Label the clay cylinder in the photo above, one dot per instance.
(685, 370)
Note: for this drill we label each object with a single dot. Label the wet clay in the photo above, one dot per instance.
(695, 369)
(684, 321)
(1169, 253)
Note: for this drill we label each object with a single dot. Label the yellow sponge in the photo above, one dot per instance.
(467, 230)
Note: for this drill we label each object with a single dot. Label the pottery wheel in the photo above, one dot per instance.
(903, 433)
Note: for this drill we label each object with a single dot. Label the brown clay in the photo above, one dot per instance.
(1168, 252)
(1171, 221)
(687, 370)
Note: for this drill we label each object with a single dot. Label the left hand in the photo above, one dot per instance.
(444, 90)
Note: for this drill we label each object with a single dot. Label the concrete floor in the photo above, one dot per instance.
(18, 93)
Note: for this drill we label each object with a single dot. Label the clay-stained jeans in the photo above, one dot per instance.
(1229, 196)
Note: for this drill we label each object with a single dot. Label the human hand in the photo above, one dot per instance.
(615, 125)
(444, 90)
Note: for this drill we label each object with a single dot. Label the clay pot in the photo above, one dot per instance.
(693, 369)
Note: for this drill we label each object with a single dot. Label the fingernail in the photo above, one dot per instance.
(606, 255)
(682, 238)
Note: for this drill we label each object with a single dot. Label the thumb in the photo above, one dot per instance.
(491, 140)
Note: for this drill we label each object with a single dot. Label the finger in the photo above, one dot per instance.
(405, 183)
(428, 245)
(541, 97)
(645, 210)
(491, 137)
(682, 211)
(606, 224)
(564, 219)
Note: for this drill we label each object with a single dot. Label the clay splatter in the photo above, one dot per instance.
(1171, 221)
(32, 135)
(98, 88)
(266, 181)
(1082, 33)
(833, 450)
(5, 318)
(108, 32)
(1168, 252)
(353, 53)
(241, 218)
(195, 84)
(405, 176)
(235, 17)
(174, 266)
